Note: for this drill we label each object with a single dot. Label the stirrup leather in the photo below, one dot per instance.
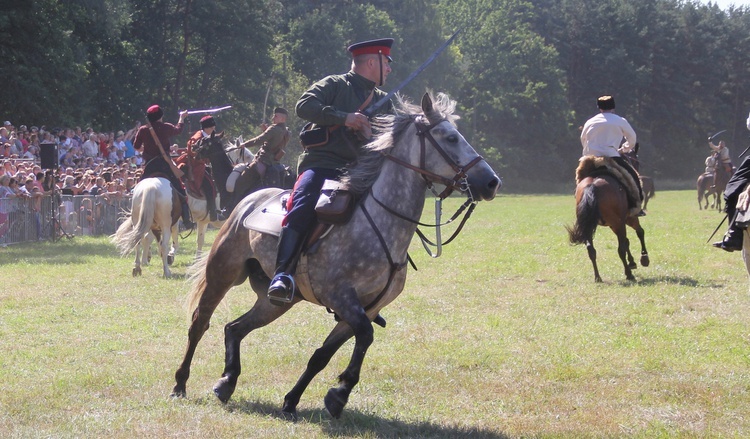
(288, 281)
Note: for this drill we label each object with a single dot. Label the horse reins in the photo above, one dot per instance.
(458, 182)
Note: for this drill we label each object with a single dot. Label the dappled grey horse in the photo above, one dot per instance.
(359, 267)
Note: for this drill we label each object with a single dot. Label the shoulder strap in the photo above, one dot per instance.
(164, 155)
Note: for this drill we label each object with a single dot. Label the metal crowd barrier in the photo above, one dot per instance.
(52, 217)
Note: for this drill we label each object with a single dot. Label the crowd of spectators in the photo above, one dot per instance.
(101, 166)
(88, 162)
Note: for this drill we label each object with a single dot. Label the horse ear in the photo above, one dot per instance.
(220, 135)
(428, 109)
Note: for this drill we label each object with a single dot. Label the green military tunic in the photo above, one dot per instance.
(326, 104)
(271, 142)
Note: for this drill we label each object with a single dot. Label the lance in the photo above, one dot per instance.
(374, 107)
(209, 110)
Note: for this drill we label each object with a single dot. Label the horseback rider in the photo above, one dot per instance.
(334, 105)
(722, 157)
(602, 134)
(150, 140)
(196, 168)
(272, 142)
(732, 240)
(711, 162)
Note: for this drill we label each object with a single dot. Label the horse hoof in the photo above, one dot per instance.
(598, 280)
(335, 401)
(630, 278)
(224, 389)
(170, 259)
(632, 265)
(178, 393)
(289, 414)
(136, 272)
(645, 260)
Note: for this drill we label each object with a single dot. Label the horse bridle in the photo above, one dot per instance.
(458, 182)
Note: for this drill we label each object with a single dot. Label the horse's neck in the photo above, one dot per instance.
(402, 190)
(221, 167)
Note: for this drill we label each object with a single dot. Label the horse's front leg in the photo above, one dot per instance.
(202, 226)
(338, 336)
(351, 312)
(635, 224)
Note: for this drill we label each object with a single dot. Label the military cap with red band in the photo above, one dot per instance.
(382, 46)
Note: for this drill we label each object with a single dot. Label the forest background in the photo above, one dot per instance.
(526, 74)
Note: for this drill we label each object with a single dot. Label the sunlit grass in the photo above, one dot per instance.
(505, 335)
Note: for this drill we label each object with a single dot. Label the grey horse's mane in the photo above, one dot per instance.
(360, 177)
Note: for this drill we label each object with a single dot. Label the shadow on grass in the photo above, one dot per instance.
(355, 423)
(65, 252)
(671, 280)
(80, 251)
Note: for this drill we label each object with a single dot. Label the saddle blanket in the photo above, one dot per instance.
(267, 217)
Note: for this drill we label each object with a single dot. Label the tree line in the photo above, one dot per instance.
(525, 73)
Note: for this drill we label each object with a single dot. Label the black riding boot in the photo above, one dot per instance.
(213, 213)
(732, 240)
(282, 286)
(187, 222)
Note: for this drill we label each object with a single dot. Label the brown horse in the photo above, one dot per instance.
(708, 187)
(649, 191)
(602, 200)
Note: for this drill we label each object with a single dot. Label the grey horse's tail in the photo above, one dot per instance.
(587, 218)
(196, 272)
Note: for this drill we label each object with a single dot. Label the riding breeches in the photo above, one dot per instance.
(301, 205)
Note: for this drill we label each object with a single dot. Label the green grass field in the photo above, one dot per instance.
(505, 335)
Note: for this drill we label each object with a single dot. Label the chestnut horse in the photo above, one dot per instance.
(359, 267)
(602, 200)
(708, 186)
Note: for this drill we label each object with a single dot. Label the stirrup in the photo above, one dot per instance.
(276, 296)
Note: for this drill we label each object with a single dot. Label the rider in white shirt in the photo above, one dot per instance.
(601, 136)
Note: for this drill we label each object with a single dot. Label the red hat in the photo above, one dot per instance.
(154, 113)
(382, 45)
(207, 121)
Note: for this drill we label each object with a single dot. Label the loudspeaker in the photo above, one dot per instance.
(48, 155)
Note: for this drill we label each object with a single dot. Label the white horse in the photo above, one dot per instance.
(153, 210)
(202, 219)
(239, 154)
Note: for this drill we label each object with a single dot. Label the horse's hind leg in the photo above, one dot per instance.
(218, 275)
(261, 314)
(338, 336)
(592, 255)
(623, 249)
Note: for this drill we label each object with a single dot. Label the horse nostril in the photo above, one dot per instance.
(495, 183)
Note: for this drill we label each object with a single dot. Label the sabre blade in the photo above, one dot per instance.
(210, 110)
(374, 107)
